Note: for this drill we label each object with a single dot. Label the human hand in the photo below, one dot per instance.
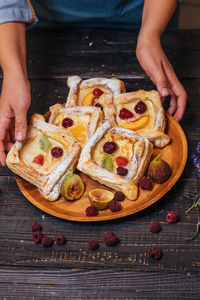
(155, 63)
(14, 103)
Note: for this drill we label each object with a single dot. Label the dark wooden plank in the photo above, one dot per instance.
(96, 284)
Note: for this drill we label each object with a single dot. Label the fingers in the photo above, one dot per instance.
(178, 90)
(172, 108)
(20, 124)
(160, 80)
(2, 154)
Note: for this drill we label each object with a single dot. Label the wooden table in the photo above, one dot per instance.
(124, 271)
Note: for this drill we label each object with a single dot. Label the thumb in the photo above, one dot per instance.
(20, 125)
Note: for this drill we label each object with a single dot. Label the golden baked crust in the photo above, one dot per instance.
(85, 120)
(82, 89)
(127, 141)
(151, 124)
(47, 177)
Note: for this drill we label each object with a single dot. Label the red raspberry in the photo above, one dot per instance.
(140, 107)
(109, 147)
(61, 239)
(37, 236)
(91, 211)
(97, 93)
(56, 152)
(155, 227)
(172, 217)
(110, 238)
(99, 106)
(125, 114)
(155, 252)
(122, 171)
(36, 227)
(146, 183)
(47, 241)
(122, 161)
(93, 245)
(119, 196)
(114, 206)
(67, 122)
(39, 159)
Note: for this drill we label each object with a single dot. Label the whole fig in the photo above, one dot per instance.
(159, 170)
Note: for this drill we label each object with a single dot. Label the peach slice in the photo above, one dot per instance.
(88, 100)
(137, 124)
(79, 132)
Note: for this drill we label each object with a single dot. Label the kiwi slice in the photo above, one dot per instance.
(45, 144)
(107, 162)
(72, 187)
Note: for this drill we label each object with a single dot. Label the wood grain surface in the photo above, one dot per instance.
(124, 271)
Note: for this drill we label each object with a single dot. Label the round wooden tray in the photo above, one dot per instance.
(175, 154)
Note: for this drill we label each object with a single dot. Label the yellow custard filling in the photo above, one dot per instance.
(139, 122)
(32, 149)
(125, 149)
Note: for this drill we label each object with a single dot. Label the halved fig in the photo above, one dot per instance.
(100, 198)
(72, 187)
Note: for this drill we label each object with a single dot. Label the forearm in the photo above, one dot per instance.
(13, 49)
(156, 16)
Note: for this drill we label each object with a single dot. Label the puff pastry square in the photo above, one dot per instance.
(136, 149)
(151, 123)
(33, 159)
(94, 91)
(80, 121)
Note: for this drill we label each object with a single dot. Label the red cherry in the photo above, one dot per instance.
(125, 114)
(67, 122)
(39, 159)
(121, 161)
(140, 107)
(56, 152)
(97, 93)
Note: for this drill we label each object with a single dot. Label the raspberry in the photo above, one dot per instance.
(155, 227)
(125, 114)
(47, 241)
(172, 217)
(155, 252)
(119, 196)
(121, 161)
(39, 159)
(36, 227)
(37, 236)
(122, 171)
(109, 147)
(91, 211)
(146, 183)
(99, 106)
(56, 152)
(67, 122)
(140, 107)
(110, 238)
(114, 206)
(93, 245)
(97, 93)
(61, 239)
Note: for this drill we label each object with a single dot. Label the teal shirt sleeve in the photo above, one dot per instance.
(17, 11)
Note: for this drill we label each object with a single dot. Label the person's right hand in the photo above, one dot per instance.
(14, 103)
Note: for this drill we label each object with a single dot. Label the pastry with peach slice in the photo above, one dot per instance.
(97, 92)
(142, 111)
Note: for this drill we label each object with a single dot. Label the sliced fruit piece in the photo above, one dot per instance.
(39, 159)
(45, 144)
(97, 93)
(72, 187)
(88, 99)
(79, 132)
(107, 162)
(57, 152)
(125, 114)
(137, 124)
(67, 122)
(122, 161)
(100, 198)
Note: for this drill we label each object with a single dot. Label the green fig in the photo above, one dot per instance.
(159, 170)
(45, 144)
(107, 162)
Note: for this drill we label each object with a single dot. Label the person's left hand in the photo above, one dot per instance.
(155, 63)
